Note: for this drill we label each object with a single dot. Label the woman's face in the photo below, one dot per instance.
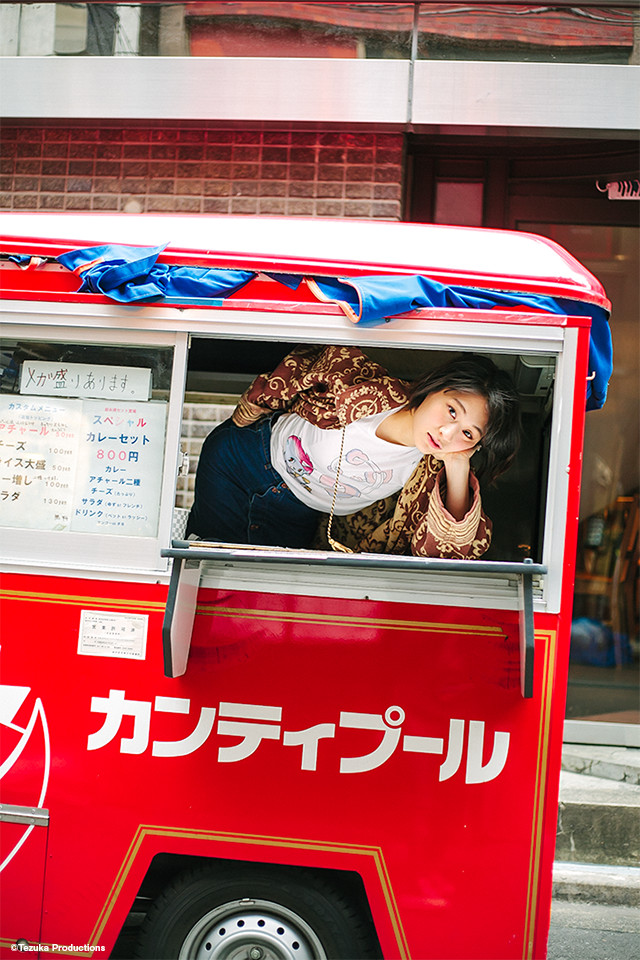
(449, 421)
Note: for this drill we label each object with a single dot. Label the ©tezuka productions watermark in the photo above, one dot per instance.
(23, 946)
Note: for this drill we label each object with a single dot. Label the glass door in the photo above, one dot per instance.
(605, 644)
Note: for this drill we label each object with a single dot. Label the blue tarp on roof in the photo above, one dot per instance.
(371, 299)
(132, 275)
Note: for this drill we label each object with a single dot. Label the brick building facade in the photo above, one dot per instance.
(203, 170)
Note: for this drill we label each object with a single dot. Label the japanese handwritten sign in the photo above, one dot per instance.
(81, 465)
(99, 381)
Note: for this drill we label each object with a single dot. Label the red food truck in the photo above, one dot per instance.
(211, 750)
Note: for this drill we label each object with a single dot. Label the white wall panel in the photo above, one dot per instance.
(176, 88)
(448, 94)
(505, 94)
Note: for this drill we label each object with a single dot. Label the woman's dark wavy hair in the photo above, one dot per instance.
(471, 373)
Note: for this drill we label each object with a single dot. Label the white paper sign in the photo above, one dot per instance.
(119, 468)
(107, 634)
(82, 465)
(98, 381)
(39, 441)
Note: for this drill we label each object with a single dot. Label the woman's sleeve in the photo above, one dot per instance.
(276, 390)
(439, 534)
(329, 386)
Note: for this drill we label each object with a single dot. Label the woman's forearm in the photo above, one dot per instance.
(458, 498)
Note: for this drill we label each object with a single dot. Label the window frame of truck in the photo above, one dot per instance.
(168, 326)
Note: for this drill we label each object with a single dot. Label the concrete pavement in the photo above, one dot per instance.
(591, 931)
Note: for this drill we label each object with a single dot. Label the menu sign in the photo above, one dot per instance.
(39, 443)
(119, 468)
(82, 465)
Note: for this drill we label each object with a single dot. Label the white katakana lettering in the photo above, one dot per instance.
(455, 745)
(252, 732)
(115, 708)
(308, 739)
(389, 724)
(253, 723)
(180, 748)
(476, 772)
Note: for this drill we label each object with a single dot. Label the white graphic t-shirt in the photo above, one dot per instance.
(307, 458)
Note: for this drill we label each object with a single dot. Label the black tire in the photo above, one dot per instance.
(281, 915)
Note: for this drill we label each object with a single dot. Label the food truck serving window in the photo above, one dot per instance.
(82, 433)
(219, 372)
(220, 369)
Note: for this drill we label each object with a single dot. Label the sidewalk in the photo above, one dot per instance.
(598, 843)
(590, 931)
(596, 876)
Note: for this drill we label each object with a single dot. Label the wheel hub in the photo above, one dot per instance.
(252, 930)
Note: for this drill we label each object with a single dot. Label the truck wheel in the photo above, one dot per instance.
(256, 914)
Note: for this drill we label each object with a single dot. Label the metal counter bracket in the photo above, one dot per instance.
(189, 555)
(33, 816)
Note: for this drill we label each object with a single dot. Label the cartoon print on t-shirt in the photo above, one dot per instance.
(297, 461)
(357, 467)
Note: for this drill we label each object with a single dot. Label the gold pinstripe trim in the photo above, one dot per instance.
(550, 636)
(248, 613)
(71, 600)
(317, 619)
(147, 830)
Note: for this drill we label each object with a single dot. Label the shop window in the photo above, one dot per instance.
(445, 31)
(525, 32)
(331, 30)
(605, 634)
(71, 28)
(459, 202)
